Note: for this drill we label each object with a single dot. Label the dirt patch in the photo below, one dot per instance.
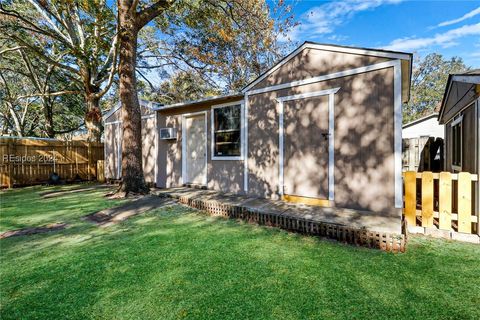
(33, 230)
(53, 194)
(116, 214)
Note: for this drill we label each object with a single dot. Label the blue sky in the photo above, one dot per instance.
(451, 28)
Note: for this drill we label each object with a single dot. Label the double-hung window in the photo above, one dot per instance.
(457, 143)
(227, 132)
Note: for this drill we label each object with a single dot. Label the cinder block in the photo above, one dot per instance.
(416, 230)
(466, 237)
(437, 233)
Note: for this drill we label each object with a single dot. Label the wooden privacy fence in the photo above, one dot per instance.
(422, 154)
(26, 161)
(444, 200)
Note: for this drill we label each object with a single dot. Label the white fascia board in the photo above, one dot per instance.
(149, 104)
(187, 103)
(330, 76)
(397, 127)
(143, 103)
(414, 122)
(120, 121)
(359, 51)
(112, 111)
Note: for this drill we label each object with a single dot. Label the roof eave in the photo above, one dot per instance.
(329, 47)
(199, 101)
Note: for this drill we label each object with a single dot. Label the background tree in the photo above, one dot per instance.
(228, 40)
(78, 37)
(38, 99)
(429, 78)
(181, 86)
(226, 43)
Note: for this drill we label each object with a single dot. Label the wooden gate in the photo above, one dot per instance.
(444, 201)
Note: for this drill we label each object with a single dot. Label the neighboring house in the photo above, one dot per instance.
(460, 113)
(427, 126)
(322, 126)
(423, 144)
(113, 141)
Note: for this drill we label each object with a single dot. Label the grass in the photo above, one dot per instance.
(175, 263)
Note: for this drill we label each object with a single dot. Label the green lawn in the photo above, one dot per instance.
(174, 263)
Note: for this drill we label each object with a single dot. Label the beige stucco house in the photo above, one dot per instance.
(323, 126)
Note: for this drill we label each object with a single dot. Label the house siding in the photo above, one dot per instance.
(313, 62)
(470, 143)
(149, 137)
(222, 175)
(364, 141)
(113, 144)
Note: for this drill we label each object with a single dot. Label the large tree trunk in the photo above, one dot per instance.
(93, 118)
(48, 115)
(133, 180)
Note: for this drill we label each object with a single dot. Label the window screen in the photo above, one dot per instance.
(226, 134)
(457, 144)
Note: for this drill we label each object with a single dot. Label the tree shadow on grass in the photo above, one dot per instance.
(175, 262)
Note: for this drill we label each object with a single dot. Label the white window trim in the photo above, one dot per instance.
(184, 145)
(242, 131)
(455, 122)
(331, 126)
(245, 143)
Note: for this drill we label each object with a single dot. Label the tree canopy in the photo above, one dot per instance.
(220, 44)
(429, 78)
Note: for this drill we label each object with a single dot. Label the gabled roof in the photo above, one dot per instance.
(414, 122)
(465, 84)
(335, 48)
(143, 103)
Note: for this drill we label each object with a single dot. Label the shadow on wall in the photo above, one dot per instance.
(431, 157)
(364, 139)
(148, 149)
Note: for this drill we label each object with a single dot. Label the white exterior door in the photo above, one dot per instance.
(196, 150)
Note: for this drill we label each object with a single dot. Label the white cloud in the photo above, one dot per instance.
(325, 18)
(466, 16)
(446, 39)
(337, 37)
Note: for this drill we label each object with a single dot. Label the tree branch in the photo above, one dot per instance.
(11, 49)
(50, 94)
(151, 12)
